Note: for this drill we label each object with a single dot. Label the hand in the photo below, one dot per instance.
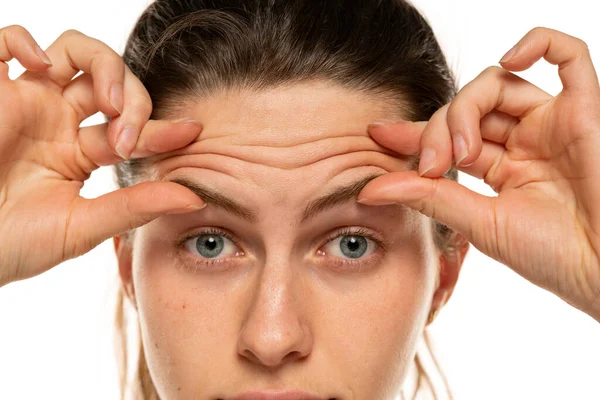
(540, 153)
(45, 157)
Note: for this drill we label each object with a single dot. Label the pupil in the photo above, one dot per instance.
(353, 246)
(209, 246)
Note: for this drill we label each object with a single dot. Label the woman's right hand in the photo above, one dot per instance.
(45, 157)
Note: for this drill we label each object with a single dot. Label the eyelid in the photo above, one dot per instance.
(359, 231)
(192, 263)
(341, 231)
(216, 230)
(350, 265)
(382, 245)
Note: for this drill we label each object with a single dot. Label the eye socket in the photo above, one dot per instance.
(211, 245)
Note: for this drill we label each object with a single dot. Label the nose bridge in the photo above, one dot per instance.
(274, 330)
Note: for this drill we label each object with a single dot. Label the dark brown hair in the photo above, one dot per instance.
(186, 50)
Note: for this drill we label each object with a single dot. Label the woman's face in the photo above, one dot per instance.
(283, 281)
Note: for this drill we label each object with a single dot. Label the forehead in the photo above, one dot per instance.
(303, 112)
(288, 142)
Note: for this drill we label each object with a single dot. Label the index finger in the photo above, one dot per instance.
(409, 143)
(572, 55)
(73, 52)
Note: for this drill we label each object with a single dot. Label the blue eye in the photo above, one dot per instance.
(350, 249)
(351, 246)
(211, 245)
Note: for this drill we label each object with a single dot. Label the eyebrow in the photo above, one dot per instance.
(336, 197)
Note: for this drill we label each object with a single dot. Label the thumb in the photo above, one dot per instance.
(442, 199)
(95, 220)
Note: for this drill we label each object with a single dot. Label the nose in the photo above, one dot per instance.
(274, 332)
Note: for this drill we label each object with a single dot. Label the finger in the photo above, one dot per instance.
(571, 54)
(436, 144)
(73, 52)
(494, 89)
(16, 42)
(405, 137)
(158, 136)
(137, 110)
(495, 128)
(95, 220)
(124, 130)
(487, 161)
(80, 95)
(442, 199)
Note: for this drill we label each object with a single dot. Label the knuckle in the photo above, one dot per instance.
(14, 30)
(453, 106)
(114, 63)
(71, 33)
(439, 116)
(493, 70)
(539, 30)
(454, 117)
(96, 57)
(104, 58)
(583, 46)
(141, 104)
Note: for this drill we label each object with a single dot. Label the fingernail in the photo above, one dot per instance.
(460, 148)
(42, 55)
(186, 121)
(509, 55)
(428, 161)
(116, 97)
(194, 207)
(373, 202)
(126, 142)
(185, 210)
(381, 122)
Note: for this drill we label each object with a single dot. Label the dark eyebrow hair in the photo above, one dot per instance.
(335, 197)
(213, 197)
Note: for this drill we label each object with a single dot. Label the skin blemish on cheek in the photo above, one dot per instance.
(172, 305)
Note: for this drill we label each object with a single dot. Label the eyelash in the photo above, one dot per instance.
(198, 265)
(340, 265)
(353, 265)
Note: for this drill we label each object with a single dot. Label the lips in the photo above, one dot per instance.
(287, 395)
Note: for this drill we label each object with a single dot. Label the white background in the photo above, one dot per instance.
(499, 337)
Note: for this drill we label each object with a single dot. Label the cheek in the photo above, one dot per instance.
(373, 331)
(171, 305)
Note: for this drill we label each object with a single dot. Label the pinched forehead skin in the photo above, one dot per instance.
(285, 143)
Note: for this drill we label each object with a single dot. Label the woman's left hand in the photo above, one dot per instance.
(540, 153)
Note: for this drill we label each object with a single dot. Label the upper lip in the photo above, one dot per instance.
(278, 395)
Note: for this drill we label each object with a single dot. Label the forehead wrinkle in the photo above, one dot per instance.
(280, 159)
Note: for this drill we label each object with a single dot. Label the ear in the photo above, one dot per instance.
(450, 263)
(124, 251)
